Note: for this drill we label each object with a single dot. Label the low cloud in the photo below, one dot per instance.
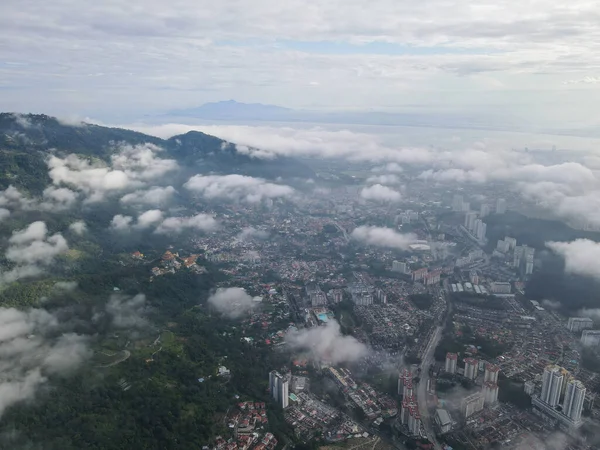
(121, 222)
(156, 196)
(199, 222)
(31, 250)
(78, 227)
(383, 237)
(237, 188)
(32, 348)
(55, 199)
(584, 80)
(232, 302)
(66, 286)
(326, 343)
(380, 193)
(581, 256)
(252, 233)
(149, 218)
(127, 312)
(130, 167)
(383, 179)
(550, 304)
(4, 214)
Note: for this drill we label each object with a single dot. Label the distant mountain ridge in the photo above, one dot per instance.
(27, 140)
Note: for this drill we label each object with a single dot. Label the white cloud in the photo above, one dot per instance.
(149, 218)
(581, 256)
(31, 348)
(383, 237)
(156, 196)
(237, 188)
(121, 222)
(78, 227)
(383, 179)
(584, 80)
(252, 233)
(380, 193)
(326, 343)
(127, 312)
(200, 222)
(31, 247)
(131, 166)
(232, 302)
(4, 214)
(55, 199)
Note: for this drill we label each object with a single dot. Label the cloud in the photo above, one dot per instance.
(154, 196)
(127, 312)
(380, 193)
(584, 80)
(12, 198)
(65, 286)
(149, 218)
(200, 222)
(551, 304)
(4, 214)
(32, 348)
(31, 250)
(383, 179)
(383, 237)
(232, 302)
(581, 256)
(78, 227)
(237, 188)
(121, 222)
(130, 167)
(55, 199)
(252, 233)
(326, 343)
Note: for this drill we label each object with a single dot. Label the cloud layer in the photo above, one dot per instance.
(383, 237)
(232, 302)
(237, 188)
(326, 343)
(581, 256)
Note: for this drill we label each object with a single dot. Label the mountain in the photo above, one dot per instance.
(27, 140)
(232, 110)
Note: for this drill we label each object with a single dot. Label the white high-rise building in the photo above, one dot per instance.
(470, 219)
(502, 246)
(457, 203)
(577, 324)
(590, 338)
(490, 393)
(471, 366)
(500, 206)
(479, 229)
(574, 398)
(491, 373)
(484, 211)
(552, 381)
(472, 404)
(279, 388)
(529, 387)
(451, 362)
(512, 242)
(399, 266)
(466, 206)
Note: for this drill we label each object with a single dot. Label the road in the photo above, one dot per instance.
(427, 360)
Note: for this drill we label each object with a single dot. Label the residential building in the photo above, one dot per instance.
(470, 218)
(399, 266)
(457, 203)
(501, 287)
(529, 387)
(479, 230)
(471, 366)
(451, 362)
(279, 388)
(443, 420)
(472, 404)
(577, 324)
(590, 338)
(574, 399)
(500, 206)
(552, 381)
(491, 373)
(490, 393)
(484, 211)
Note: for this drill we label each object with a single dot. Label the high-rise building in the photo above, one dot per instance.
(500, 206)
(529, 387)
(414, 420)
(457, 203)
(512, 242)
(470, 218)
(451, 362)
(471, 366)
(479, 229)
(490, 393)
(474, 277)
(443, 420)
(574, 398)
(399, 266)
(279, 388)
(590, 338)
(491, 373)
(552, 381)
(577, 324)
(502, 246)
(501, 287)
(472, 404)
(466, 206)
(484, 210)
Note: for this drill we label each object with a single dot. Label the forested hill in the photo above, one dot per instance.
(26, 140)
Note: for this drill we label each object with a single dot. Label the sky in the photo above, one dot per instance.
(535, 61)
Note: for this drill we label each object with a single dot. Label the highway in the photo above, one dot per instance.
(427, 360)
